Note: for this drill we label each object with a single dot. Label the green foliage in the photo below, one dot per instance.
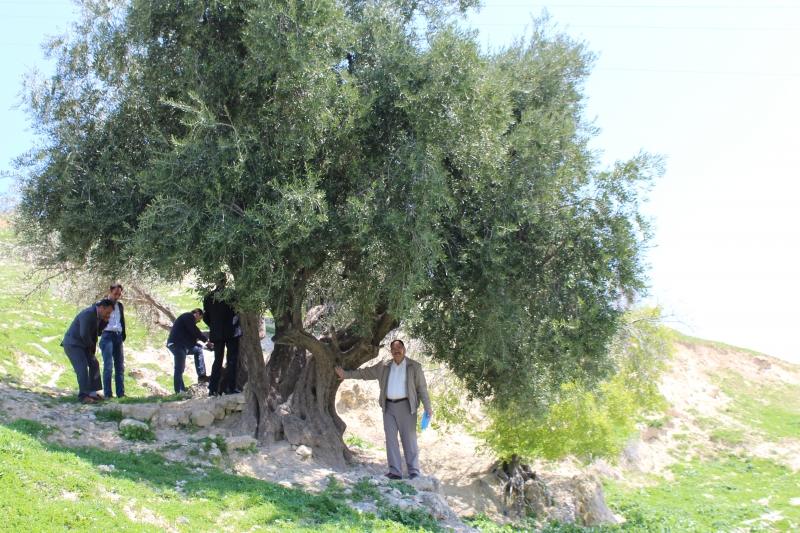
(415, 519)
(368, 153)
(771, 409)
(137, 433)
(31, 427)
(404, 488)
(354, 440)
(591, 422)
(364, 491)
(219, 440)
(108, 414)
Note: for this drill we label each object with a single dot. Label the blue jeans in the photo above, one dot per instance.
(180, 353)
(111, 348)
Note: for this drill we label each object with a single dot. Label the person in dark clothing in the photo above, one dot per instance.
(182, 340)
(224, 332)
(111, 340)
(80, 345)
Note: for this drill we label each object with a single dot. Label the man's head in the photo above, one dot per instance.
(104, 309)
(198, 315)
(398, 349)
(115, 292)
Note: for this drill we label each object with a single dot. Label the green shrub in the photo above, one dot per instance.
(415, 519)
(108, 415)
(137, 433)
(403, 487)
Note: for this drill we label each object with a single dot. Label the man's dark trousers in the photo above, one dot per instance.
(87, 369)
(232, 346)
(111, 348)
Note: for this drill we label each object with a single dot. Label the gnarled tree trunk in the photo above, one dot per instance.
(292, 396)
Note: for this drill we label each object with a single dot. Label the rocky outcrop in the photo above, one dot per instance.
(202, 412)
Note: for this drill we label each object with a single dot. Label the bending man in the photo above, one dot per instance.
(403, 386)
(80, 344)
(183, 339)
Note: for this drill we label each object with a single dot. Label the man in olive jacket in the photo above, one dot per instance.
(403, 387)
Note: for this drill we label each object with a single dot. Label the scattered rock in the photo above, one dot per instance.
(106, 468)
(170, 420)
(538, 496)
(437, 507)
(763, 363)
(304, 451)
(219, 411)
(713, 392)
(214, 452)
(183, 520)
(426, 483)
(653, 433)
(592, 507)
(203, 418)
(184, 417)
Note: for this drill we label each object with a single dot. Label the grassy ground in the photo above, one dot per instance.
(44, 488)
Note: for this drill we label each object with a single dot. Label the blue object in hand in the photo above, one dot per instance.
(423, 425)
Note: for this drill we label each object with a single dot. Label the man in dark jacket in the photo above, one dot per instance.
(80, 344)
(224, 332)
(111, 345)
(183, 339)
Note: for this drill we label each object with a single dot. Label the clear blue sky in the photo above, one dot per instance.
(714, 86)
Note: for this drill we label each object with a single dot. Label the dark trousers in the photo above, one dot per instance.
(216, 369)
(180, 353)
(111, 348)
(87, 369)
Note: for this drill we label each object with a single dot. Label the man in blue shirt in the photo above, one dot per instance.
(111, 345)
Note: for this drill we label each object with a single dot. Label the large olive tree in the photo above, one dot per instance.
(355, 166)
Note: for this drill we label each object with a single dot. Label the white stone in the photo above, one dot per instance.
(203, 418)
(214, 452)
(219, 411)
(304, 451)
(183, 520)
(106, 468)
(129, 422)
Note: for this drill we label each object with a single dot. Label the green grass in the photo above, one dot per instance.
(773, 411)
(45, 487)
(714, 495)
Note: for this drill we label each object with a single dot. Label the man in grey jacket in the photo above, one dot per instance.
(403, 387)
(80, 344)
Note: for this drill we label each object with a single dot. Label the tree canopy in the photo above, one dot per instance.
(363, 154)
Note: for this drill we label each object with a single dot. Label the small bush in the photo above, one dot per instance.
(137, 433)
(108, 415)
(353, 440)
(364, 491)
(414, 519)
(403, 487)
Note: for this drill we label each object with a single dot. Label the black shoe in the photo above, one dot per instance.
(233, 391)
(203, 379)
(393, 476)
(213, 394)
(413, 476)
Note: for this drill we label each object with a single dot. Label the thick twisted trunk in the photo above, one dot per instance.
(293, 395)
